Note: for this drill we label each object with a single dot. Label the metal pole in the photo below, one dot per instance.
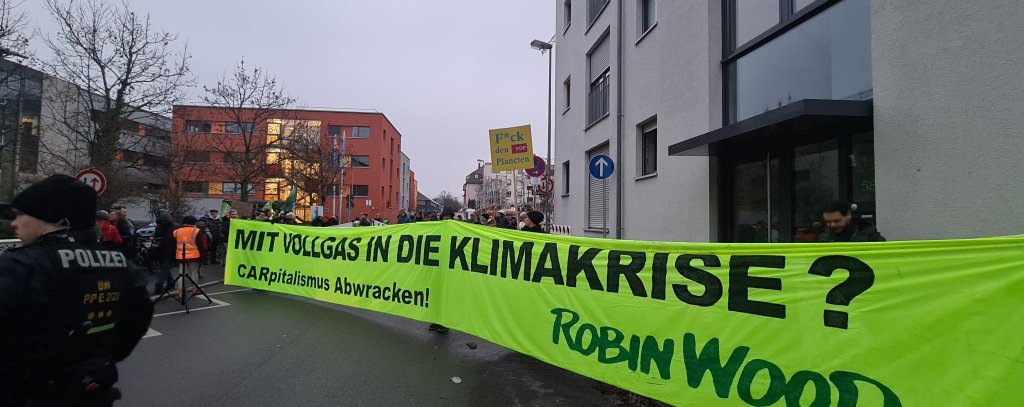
(341, 162)
(337, 162)
(604, 209)
(547, 169)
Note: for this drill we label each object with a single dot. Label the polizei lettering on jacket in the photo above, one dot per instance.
(91, 258)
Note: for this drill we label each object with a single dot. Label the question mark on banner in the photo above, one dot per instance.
(861, 278)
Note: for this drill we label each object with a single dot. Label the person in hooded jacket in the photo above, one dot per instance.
(163, 250)
(108, 234)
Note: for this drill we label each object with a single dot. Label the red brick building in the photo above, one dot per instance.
(223, 152)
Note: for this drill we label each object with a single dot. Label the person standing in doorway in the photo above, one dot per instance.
(841, 226)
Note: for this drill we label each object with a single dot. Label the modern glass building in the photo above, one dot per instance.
(737, 120)
(21, 93)
(797, 128)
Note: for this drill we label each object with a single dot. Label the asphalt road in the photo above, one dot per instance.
(255, 348)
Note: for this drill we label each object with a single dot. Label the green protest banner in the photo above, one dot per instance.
(923, 323)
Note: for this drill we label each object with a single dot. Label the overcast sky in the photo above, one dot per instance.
(444, 72)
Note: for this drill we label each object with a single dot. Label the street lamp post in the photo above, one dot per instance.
(545, 47)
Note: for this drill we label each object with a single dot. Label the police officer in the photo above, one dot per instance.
(69, 308)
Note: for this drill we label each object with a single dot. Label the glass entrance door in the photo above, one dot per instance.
(774, 192)
(815, 183)
(755, 215)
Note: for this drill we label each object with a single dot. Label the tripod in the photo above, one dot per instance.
(183, 269)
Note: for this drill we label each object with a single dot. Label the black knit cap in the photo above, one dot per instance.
(61, 200)
(535, 217)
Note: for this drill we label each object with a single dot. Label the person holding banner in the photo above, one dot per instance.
(214, 225)
(843, 227)
(403, 217)
(533, 221)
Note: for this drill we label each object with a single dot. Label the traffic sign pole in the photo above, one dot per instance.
(601, 168)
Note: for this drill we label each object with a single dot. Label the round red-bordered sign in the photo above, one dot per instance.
(546, 186)
(539, 165)
(94, 179)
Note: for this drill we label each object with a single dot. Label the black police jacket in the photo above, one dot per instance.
(68, 310)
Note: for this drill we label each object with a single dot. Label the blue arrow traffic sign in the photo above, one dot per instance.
(601, 166)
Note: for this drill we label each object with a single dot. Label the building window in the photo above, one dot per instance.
(361, 190)
(566, 92)
(566, 13)
(754, 17)
(28, 148)
(360, 161)
(360, 132)
(649, 147)
(599, 63)
(801, 4)
(193, 156)
(648, 15)
(240, 128)
(157, 133)
(826, 57)
(565, 178)
(334, 131)
(155, 161)
(271, 190)
(597, 195)
(232, 188)
(196, 187)
(594, 8)
(195, 126)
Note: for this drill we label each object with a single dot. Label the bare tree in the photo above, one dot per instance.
(492, 195)
(13, 51)
(121, 70)
(447, 200)
(316, 163)
(247, 100)
(174, 198)
(13, 36)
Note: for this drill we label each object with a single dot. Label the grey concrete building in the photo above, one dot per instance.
(735, 120)
(403, 190)
(46, 126)
(473, 187)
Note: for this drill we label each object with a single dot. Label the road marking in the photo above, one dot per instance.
(151, 333)
(218, 303)
(231, 291)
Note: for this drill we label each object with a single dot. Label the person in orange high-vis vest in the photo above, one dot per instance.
(190, 245)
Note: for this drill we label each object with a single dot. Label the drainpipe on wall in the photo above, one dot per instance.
(618, 124)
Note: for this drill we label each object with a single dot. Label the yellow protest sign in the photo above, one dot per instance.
(923, 323)
(511, 148)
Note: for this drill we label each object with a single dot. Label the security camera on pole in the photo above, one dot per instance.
(546, 47)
